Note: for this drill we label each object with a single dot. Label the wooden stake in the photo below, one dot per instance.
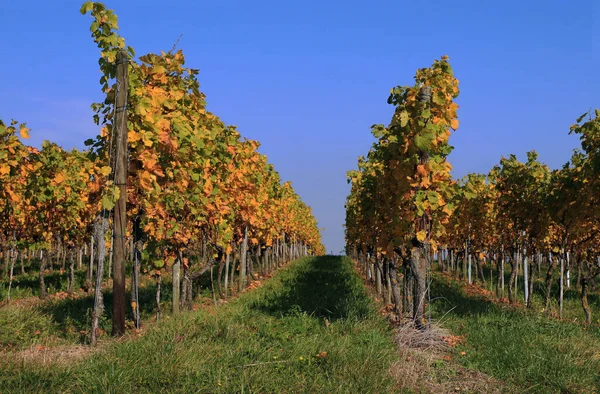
(120, 225)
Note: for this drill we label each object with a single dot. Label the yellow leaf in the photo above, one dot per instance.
(24, 131)
(454, 124)
(133, 136)
(105, 170)
(59, 178)
(421, 235)
(146, 180)
(434, 245)
(146, 137)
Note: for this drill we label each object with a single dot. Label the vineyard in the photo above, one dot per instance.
(521, 235)
(166, 188)
(170, 255)
(406, 212)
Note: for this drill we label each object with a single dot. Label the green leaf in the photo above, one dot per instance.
(86, 7)
(423, 141)
(581, 117)
(158, 263)
(107, 202)
(446, 149)
(377, 130)
(433, 197)
(420, 210)
(112, 19)
(403, 118)
(158, 69)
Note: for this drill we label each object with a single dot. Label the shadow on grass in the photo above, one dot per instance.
(321, 287)
(74, 315)
(55, 281)
(450, 297)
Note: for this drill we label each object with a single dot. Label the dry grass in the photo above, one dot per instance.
(44, 355)
(425, 364)
(431, 339)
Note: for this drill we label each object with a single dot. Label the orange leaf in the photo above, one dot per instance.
(133, 136)
(454, 124)
(24, 131)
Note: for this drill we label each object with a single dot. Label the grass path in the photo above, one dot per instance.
(311, 328)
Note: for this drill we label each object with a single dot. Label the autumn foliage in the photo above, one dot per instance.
(405, 207)
(194, 184)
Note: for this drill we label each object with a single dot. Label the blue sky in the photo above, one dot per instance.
(308, 78)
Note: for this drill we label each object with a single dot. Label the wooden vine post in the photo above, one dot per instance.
(120, 224)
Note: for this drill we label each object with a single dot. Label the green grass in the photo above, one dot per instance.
(67, 319)
(63, 320)
(22, 327)
(265, 341)
(536, 353)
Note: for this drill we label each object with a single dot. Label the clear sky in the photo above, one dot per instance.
(308, 78)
